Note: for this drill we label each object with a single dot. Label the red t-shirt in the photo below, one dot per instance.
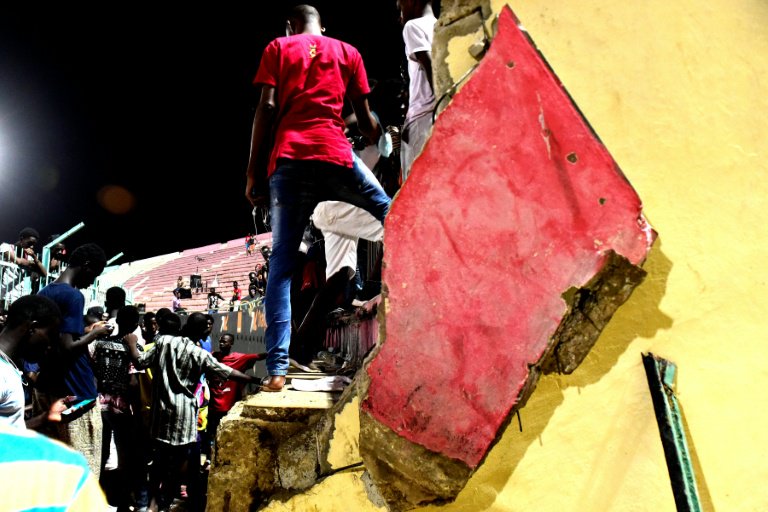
(224, 393)
(311, 75)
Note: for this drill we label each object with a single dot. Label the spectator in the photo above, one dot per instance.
(32, 325)
(58, 256)
(418, 31)
(206, 343)
(261, 279)
(237, 294)
(213, 300)
(22, 253)
(148, 327)
(225, 392)
(177, 366)
(250, 244)
(176, 302)
(311, 159)
(72, 375)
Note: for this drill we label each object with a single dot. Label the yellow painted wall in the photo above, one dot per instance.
(678, 92)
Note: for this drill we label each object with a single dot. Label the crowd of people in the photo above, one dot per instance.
(143, 393)
(115, 384)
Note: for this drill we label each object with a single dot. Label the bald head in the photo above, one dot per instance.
(303, 19)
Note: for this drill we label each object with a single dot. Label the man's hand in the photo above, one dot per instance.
(257, 192)
(100, 329)
(59, 406)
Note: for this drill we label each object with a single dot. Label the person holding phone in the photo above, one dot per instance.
(69, 373)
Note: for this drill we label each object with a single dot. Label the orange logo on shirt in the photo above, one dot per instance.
(312, 51)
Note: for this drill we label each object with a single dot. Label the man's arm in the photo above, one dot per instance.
(262, 124)
(140, 360)
(23, 261)
(70, 343)
(366, 123)
(426, 62)
(241, 377)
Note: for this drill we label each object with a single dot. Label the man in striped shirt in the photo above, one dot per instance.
(177, 365)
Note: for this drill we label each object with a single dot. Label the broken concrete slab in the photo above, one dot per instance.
(513, 242)
(277, 444)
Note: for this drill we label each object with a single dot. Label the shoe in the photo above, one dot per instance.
(273, 384)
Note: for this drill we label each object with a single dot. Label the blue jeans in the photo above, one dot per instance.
(295, 189)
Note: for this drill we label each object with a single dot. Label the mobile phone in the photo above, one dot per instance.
(78, 406)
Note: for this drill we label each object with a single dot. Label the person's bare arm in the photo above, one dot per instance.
(24, 261)
(70, 343)
(262, 124)
(366, 123)
(52, 415)
(426, 62)
(242, 377)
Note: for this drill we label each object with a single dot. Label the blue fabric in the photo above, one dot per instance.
(72, 305)
(296, 187)
(206, 344)
(78, 377)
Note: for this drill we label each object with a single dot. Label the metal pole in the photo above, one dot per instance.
(47, 247)
(114, 258)
(661, 376)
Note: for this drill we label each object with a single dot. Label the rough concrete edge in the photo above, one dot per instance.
(266, 482)
(587, 307)
(457, 18)
(588, 310)
(434, 478)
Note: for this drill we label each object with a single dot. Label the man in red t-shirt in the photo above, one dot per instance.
(224, 393)
(304, 78)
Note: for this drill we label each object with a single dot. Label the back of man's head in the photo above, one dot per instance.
(33, 308)
(127, 319)
(196, 326)
(115, 298)
(304, 14)
(88, 254)
(169, 323)
(86, 262)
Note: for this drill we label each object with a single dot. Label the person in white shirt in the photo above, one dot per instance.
(418, 31)
(33, 324)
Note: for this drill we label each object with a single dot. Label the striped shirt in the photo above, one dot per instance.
(42, 475)
(177, 366)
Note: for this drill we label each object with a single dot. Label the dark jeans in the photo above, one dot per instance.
(173, 466)
(296, 187)
(129, 473)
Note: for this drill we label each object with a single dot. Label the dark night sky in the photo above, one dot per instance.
(158, 101)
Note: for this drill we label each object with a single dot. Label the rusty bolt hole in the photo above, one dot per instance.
(511, 64)
(572, 158)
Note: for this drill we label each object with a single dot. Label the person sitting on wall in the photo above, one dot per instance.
(23, 254)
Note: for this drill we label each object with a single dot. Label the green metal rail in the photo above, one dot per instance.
(661, 378)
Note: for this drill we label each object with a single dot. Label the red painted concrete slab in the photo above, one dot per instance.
(513, 201)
